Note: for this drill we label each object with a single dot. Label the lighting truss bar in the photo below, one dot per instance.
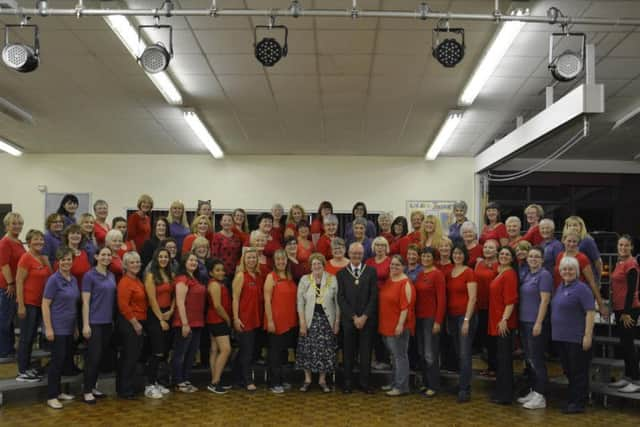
(344, 13)
(10, 148)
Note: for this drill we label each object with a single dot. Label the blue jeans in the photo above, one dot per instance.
(8, 309)
(28, 331)
(184, 353)
(429, 350)
(462, 345)
(534, 355)
(398, 347)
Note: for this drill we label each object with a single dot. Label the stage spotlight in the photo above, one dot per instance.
(450, 51)
(156, 57)
(268, 51)
(569, 64)
(19, 56)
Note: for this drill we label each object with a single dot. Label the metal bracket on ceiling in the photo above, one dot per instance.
(422, 11)
(295, 8)
(43, 7)
(167, 6)
(354, 9)
(213, 10)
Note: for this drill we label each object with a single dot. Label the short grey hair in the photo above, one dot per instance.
(386, 215)
(337, 242)
(549, 222)
(468, 225)
(513, 219)
(360, 221)
(569, 261)
(330, 219)
(128, 257)
(111, 235)
(460, 204)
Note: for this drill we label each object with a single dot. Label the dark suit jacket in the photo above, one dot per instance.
(358, 299)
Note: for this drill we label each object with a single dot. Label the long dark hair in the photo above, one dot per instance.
(405, 226)
(166, 223)
(514, 259)
(156, 271)
(67, 198)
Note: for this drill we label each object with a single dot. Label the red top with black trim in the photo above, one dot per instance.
(382, 269)
(503, 291)
(457, 292)
(583, 261)
(499, 231)
(484, 276)
(138, 228)
(193, 303)
(38, 271)
(213, 318)
(620, 287)
(10, 253)
(392, 299)
(431, 295)
(249, 310)
(324, 247)
(283, 304)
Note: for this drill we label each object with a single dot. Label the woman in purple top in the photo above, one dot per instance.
(572, 317)
(459, 213)
(535, 293)
(178, 223)
(59, 311)
(360, 211)
(587, 245)
(98, 302)
(551, 246)
(87, 221)
(53, 236)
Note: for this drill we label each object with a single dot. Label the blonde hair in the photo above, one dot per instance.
(447, 241)
(317, 256)
(523, 245)
(145, 198)
(183, 220)
(12, 216)
(282, 253)
(85, 216)
(242, 267)
(539, 210)
(290, 219)
(380, 241)
(437, 235)
(254, 236)
(196, 220)
(583, 227)
(416, 213)
(570, 233)
(199, 241)
(128, 257)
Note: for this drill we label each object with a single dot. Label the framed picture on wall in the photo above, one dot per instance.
(441, 208)
(52, 203)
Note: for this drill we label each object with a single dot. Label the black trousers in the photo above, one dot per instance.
(278, 345)
(28, 331)
(575, 363)
(504, 368)
(159, 345)
(629, 350)
(97, 345)
(242, 366)
(358, 341)
(129, 354)
(484, 340)
(60, 348)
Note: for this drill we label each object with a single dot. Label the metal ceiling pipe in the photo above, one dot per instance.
(346, 13)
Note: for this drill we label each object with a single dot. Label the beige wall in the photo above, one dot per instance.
(252, 182)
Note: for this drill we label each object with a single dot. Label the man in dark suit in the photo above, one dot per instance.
(358, 300)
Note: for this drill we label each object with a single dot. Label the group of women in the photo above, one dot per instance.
(178, 285)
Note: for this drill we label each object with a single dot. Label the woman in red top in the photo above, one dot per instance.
(461, 318)
(227, 246)
(120, 224)
(247, 297)
(486, 270)
(218, 323)
(396, 322)
(384, 224)
(139, 223)
(626, 305)
(31, 276)
(305, 246)
(113, 241)
(73, 239)
(101, 226)
(470, 238)
(277, 232)
(188, 321)
(158, 284)
(204, 208)
(280, 316)
(323, 244)
(132, 306)
(514, 227)
(295, 215)
(382, 263)
(338, 261)
(534, 214)
(431, 306)
(240, 224)
(317, 226)
(200, 227)
(571, 240)
(503, 320)
(265, 225)
(443, 256)
(493, 228)
(399, 229)
(297, 268)
(259, 241)
(413, 238)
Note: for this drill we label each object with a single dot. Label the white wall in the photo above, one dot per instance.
(251, 182)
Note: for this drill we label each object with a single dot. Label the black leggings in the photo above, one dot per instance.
(242, 366)
(278, 345)
(629, 350)
(97, 345)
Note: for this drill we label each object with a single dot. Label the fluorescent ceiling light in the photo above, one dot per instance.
(10, 148)
(626, 117)
(203, 134)
(129, 37)
(497, 49)
(445, 132)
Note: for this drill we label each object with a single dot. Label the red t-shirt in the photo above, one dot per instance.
(619, 287)
(316, 226)
(100, 232)
(503, 291)
(324, 247)
(484, 276)
(583, 262)
(37, 274)
(401, 247)
(388, 236)
(116, 267)
(10, 253)
(193, 303)
(303, 253)
(497, 233)
(514, 243)
(249, 310)
(392, 299)
(533, 236)
(228, 249)
(331, 269)
(139, 229)
(283, 305)
(445, 269)
(474, 253)
(457, 292)
(128, 247)
(240, 234)
(79, 267)
(132, 299)
(431, 295)
(187, 243)
(382, 269)
(213, 318)
(164, 295)
(277, 233)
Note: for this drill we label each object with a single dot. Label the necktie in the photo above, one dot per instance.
(356, 271)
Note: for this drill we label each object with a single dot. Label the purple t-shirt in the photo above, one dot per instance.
(588, 247)
(532, 285)
(51, 245)
(551, 250)
(64, 295)
(178, 232)
(102, 288)
(568, 309)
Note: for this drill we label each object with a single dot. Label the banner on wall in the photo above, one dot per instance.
(441, 208)
(52, 203)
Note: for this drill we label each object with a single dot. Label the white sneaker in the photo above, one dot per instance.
(152, 392)
(162, 388)
(619, 384)
(527, 398)
(277, 389)
(630, 388)
(65, 397)
(536, 402)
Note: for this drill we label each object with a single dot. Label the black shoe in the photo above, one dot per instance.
(347, 389)
(501, 402)
(573, 409)
(89, 402)
(464, 397)
(127, 396)
(368, 390)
